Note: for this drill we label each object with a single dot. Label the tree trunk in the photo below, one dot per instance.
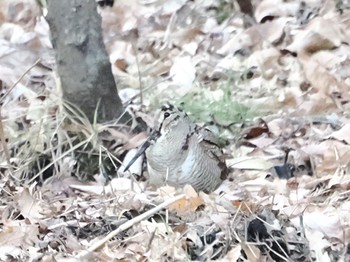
(82, 61)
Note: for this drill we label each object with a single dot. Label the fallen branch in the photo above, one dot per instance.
(130, 223)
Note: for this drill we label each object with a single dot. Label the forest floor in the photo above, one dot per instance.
(273, 81)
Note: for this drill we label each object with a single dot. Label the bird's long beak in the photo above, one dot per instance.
(142, 149)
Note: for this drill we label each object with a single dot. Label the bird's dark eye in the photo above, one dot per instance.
(166, 114)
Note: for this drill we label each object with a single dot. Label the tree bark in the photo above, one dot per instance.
(82, 61)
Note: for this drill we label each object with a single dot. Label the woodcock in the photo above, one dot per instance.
(179, 152)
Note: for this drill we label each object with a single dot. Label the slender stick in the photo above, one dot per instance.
(132, 222)
(2, 134)
(19, 79)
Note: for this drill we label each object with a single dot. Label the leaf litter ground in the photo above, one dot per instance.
(274, 86)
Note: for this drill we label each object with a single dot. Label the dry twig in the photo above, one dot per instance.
(130, 223)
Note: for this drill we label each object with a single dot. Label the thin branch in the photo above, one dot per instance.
(4, 143)
(19, 80)
(132, 222)
(2, 133)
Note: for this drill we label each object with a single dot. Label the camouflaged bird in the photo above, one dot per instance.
(179, 152)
